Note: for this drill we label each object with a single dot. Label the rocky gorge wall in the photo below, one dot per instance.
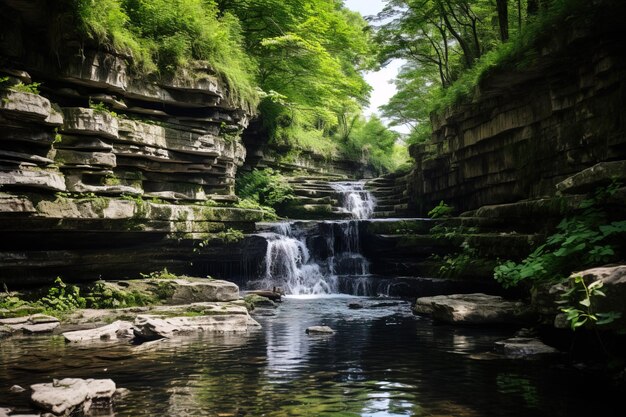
(106, 173)
(525, 130)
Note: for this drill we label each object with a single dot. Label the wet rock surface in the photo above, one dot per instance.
(524, 348)
(474, 309)
(33, 324)
(66, 396)
(314, 330)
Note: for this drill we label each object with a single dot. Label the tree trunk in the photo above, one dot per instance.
(503, 19)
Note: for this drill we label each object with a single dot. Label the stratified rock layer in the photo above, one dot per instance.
(524, 131)
(104, 171)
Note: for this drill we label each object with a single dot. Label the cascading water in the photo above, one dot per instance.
(309, 257)
(355, 199)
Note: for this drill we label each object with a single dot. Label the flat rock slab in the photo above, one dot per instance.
(200, 290)
(33, 324)
(63, 397)
(475, 308)
(233, 319)
(118, 330)
(524, 347)
(319, 330)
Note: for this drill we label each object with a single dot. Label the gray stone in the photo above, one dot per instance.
(83, 121)
(204, 290)
(116, 331)
(5, 331)
(319, 330)
(65, 396)
(590, 179)
(27, 105)
(474, 309)
(98, 159)
(39, 328)
(233, 319)
(60, 397)
(16, 389)
(33, 324)
(524, 347)
(47, 180)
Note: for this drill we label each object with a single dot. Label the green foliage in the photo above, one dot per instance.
(101, 108)
(579, 304)
(441, 210)
(450, 46)
(102, 296)
(62, 297)
(227, 236)
(268, 213)
(168, 35)
(456, 264)
(267, 187)
(32, 88)
(581, 240)
(310, 54)
(369, 141)
(162, 274)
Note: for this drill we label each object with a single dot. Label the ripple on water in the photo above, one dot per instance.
(381, 362)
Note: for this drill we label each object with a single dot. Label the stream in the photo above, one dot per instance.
(382, 361)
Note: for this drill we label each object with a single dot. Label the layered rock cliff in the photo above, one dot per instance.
(94, 156)
(527, 129)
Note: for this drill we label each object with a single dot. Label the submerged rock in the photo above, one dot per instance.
(355, 306)
(64, 397)
(524, 347)
(5, 331)
(474, 309)
(319, 330)
(16, 389)
(110, 333)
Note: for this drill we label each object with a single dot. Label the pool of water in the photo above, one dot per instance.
(382, 362)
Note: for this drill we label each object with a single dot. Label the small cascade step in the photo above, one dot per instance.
(391, 194)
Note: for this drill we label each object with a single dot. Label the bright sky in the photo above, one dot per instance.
(381, 81)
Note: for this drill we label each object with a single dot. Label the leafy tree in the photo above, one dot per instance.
(311, 53)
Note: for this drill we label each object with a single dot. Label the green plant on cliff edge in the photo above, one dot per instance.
(441, 210)
(167, 36)
(581, 240)
(578, 304)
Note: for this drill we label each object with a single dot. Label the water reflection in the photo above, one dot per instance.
(382, 362)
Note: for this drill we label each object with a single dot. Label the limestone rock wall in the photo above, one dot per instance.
(104, 172)
(525, 130)
(289, 161)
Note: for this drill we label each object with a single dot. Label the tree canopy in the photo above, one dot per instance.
(448, 45)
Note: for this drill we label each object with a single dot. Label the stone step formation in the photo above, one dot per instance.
(391, 194)
(123, 163)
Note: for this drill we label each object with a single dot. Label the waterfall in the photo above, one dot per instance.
(312, 257)
(355, 199)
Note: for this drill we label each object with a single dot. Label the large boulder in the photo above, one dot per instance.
(474, 309)
(66, 396)
(204, 290)
(216, 318)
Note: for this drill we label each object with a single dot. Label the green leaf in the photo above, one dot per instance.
(586, 302)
